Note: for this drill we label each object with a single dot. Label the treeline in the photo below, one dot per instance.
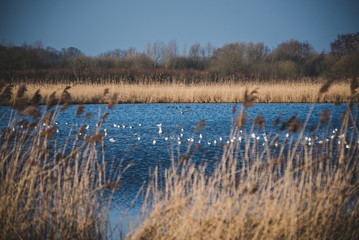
(162, 62)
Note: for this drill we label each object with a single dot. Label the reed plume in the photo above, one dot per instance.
(36, 98)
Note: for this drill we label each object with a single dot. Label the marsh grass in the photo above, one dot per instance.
(50, 189)
(285, 189)
(275, 92)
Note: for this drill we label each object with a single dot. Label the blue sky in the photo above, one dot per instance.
(101, 25)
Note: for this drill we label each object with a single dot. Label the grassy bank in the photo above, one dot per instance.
(282, 92)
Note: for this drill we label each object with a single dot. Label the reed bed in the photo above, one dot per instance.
(287, 189)
(285, 92)
(50, 189)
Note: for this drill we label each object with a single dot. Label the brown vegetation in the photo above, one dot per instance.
(50, 189)
(276, 92)
(287, 189)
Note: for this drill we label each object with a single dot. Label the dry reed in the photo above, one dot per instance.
(286, 92)
(50, 189)
(285, 189)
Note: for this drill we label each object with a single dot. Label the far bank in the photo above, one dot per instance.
(277, 92)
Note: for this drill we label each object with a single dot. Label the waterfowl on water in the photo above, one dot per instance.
(159, 128)
(182, 111)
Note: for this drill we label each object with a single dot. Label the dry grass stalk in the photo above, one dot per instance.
(200, 125)
(49, 192)
(258, 192)
(80, 110)
(113, 101)
(301, 92)
(36, 98)
(324, 117)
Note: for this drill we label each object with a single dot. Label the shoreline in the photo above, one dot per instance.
(302, 92)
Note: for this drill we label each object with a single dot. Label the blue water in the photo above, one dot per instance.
(128, 122)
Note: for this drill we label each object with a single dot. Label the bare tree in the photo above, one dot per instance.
(170, 52)
(155, 52)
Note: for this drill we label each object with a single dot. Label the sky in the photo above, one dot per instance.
(96, 26)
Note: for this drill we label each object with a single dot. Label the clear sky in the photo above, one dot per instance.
(95, 26)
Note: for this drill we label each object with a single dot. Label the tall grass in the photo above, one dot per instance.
(50, 189)
(288, 188)
(283, 92)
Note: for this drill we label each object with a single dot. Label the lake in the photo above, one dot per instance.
(149, 135)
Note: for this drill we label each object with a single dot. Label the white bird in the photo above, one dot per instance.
(200, 136)
(114, 125)
(112, 140)
(139, 138)
(140, 125)
(154, 141)
(220, 139)
(182, 111)
(166, 138)
(159, 129)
